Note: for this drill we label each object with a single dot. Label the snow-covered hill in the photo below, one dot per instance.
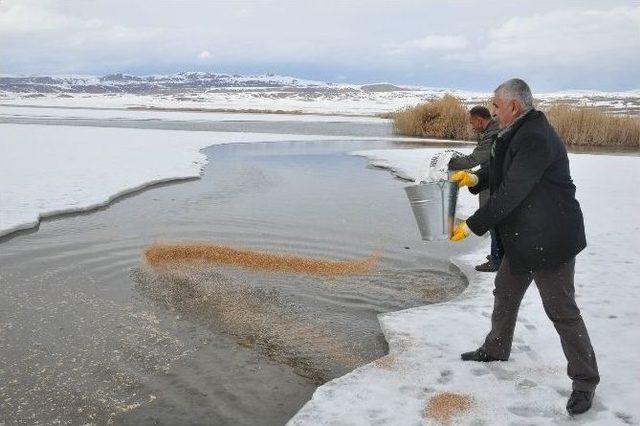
(149, 84)
(207, 91)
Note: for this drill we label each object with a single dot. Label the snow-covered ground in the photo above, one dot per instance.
(262, 92)
(532, 387)
(47, 170)
(40, 112)
(345, 101)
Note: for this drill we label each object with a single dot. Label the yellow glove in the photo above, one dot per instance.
(463, 178)
(460, 232)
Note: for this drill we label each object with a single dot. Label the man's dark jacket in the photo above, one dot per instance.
(532, 204)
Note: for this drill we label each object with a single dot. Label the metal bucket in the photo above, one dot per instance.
(434, 206)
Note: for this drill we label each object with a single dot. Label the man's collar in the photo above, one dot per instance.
(515, 122)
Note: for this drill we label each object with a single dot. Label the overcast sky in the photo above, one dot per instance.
(555, 45)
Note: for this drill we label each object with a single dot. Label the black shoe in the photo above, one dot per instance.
(479, 355)
(579, 401)
(488, 266)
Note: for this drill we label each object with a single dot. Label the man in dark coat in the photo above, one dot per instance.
(487, 130)
(540, 225)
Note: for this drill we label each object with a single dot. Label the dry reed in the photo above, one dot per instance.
(159, 254)
(444, 406)
(444, 118)
(591, 126)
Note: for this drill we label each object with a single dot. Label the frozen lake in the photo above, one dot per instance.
(89, 334)
(199, 121)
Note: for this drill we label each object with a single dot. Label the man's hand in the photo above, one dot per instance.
(463, 178)
(460, 232)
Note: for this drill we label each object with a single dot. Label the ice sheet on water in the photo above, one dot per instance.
(48, 170)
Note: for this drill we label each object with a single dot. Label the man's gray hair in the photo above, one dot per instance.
(516, 90)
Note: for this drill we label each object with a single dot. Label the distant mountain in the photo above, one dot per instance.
(383, 87)
(258, 92)
(150, 84)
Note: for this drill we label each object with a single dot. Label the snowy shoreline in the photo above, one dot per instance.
(218, 114)
(532, 387)
(49, 171)
(7, 232)
(83, 180)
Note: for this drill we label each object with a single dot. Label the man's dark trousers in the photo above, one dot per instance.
(557, 292)
(496, 253)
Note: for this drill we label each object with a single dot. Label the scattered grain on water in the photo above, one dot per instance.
(263, 299)
(386, 362)
(443, 407)
(261, 318)
(162, 254)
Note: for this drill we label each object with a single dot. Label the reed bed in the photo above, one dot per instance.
(446, 118)
(591, 126)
